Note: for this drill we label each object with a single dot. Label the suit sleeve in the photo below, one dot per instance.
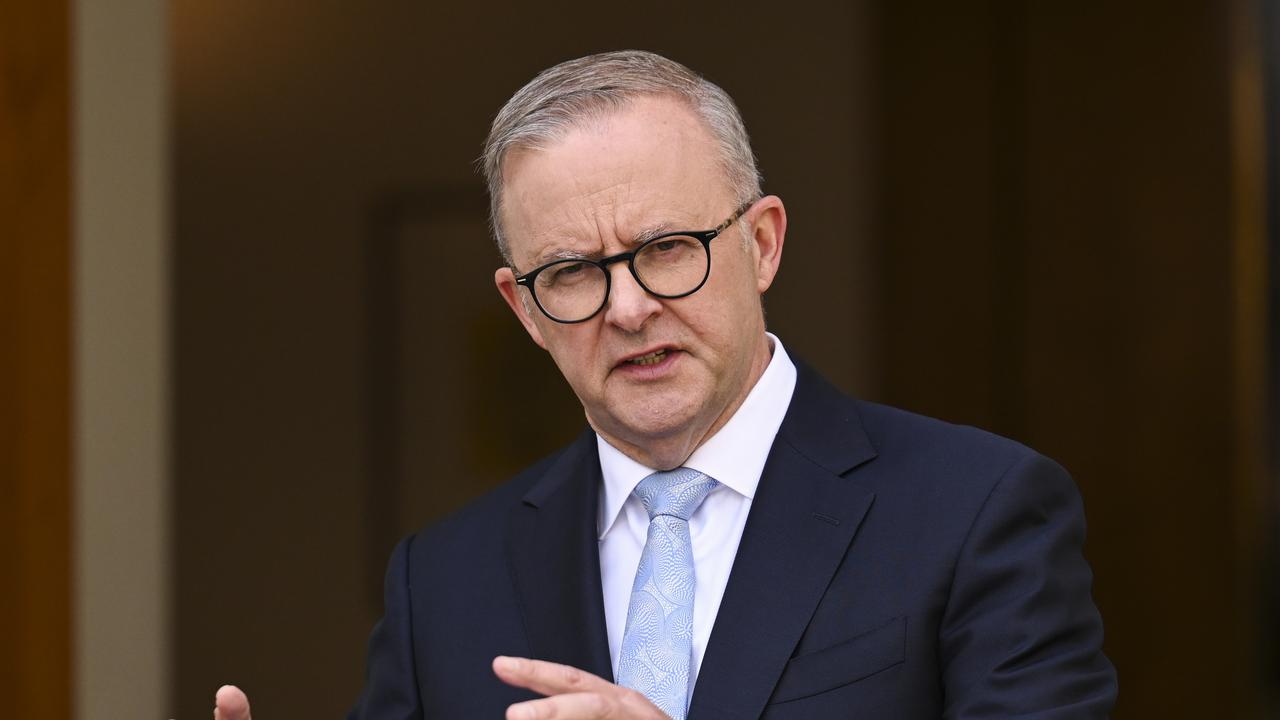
(391, 687)
(1021, 637)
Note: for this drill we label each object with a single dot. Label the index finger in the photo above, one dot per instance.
(547, 678)
(230, 703)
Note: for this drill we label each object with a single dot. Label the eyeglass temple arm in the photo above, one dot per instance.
(732, 218)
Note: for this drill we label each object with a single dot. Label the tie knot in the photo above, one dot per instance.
(677, 493)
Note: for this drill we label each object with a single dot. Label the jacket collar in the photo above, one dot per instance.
(802, 522)
(555, 561)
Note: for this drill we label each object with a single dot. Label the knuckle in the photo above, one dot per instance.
(530, 711)
(571, 676)
(597, 705)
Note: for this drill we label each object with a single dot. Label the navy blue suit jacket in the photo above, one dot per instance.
(892, 566)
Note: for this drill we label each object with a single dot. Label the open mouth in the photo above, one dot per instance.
(652, 358)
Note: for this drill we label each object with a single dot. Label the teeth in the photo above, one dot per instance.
(650, 359)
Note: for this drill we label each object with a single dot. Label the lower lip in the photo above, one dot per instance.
(656, 371)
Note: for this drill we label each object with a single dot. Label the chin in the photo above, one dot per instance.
(653, 422)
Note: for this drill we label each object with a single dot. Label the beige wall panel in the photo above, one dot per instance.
(122, 419)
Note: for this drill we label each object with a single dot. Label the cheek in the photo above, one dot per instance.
(736, 294)
(732, 267)
(574, 349)
(719, 325)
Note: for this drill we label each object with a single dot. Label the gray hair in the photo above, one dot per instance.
(574, 92)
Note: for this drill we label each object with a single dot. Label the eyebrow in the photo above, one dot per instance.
(650, 233)
(560, 253)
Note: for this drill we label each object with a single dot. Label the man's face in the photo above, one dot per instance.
(648, 168)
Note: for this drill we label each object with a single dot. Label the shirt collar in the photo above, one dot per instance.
(734, 456)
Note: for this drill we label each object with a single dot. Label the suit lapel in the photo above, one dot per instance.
(802, 521)
(555, 562)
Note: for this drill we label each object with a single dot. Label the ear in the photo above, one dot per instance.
(505, 279)
(769, 231)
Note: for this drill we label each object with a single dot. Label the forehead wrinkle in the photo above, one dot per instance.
(562, 252)
(567, 240)
(566, 236)
(606, 200)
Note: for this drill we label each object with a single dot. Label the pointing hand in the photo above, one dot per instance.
(571, 694)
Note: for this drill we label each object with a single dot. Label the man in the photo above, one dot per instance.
(732, 538)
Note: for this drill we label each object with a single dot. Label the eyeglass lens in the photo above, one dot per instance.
(573, 290)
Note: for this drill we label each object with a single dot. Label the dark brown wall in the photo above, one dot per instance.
(1059, 244)
(35, 360)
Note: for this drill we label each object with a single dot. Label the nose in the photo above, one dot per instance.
(629, 306)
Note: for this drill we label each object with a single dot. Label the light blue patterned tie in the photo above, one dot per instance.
(658, 640)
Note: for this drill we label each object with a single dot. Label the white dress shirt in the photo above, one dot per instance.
(735, 457)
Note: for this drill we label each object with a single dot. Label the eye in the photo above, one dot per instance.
(677, 248)
(567, 272)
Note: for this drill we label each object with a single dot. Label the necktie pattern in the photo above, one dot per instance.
(658, 639)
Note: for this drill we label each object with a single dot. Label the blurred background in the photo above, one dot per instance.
(248, 336)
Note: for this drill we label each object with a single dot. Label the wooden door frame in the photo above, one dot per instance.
(35, 359)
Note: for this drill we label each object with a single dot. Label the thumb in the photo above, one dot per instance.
(230, 703)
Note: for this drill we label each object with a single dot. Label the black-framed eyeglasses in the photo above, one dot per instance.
(671, 265)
